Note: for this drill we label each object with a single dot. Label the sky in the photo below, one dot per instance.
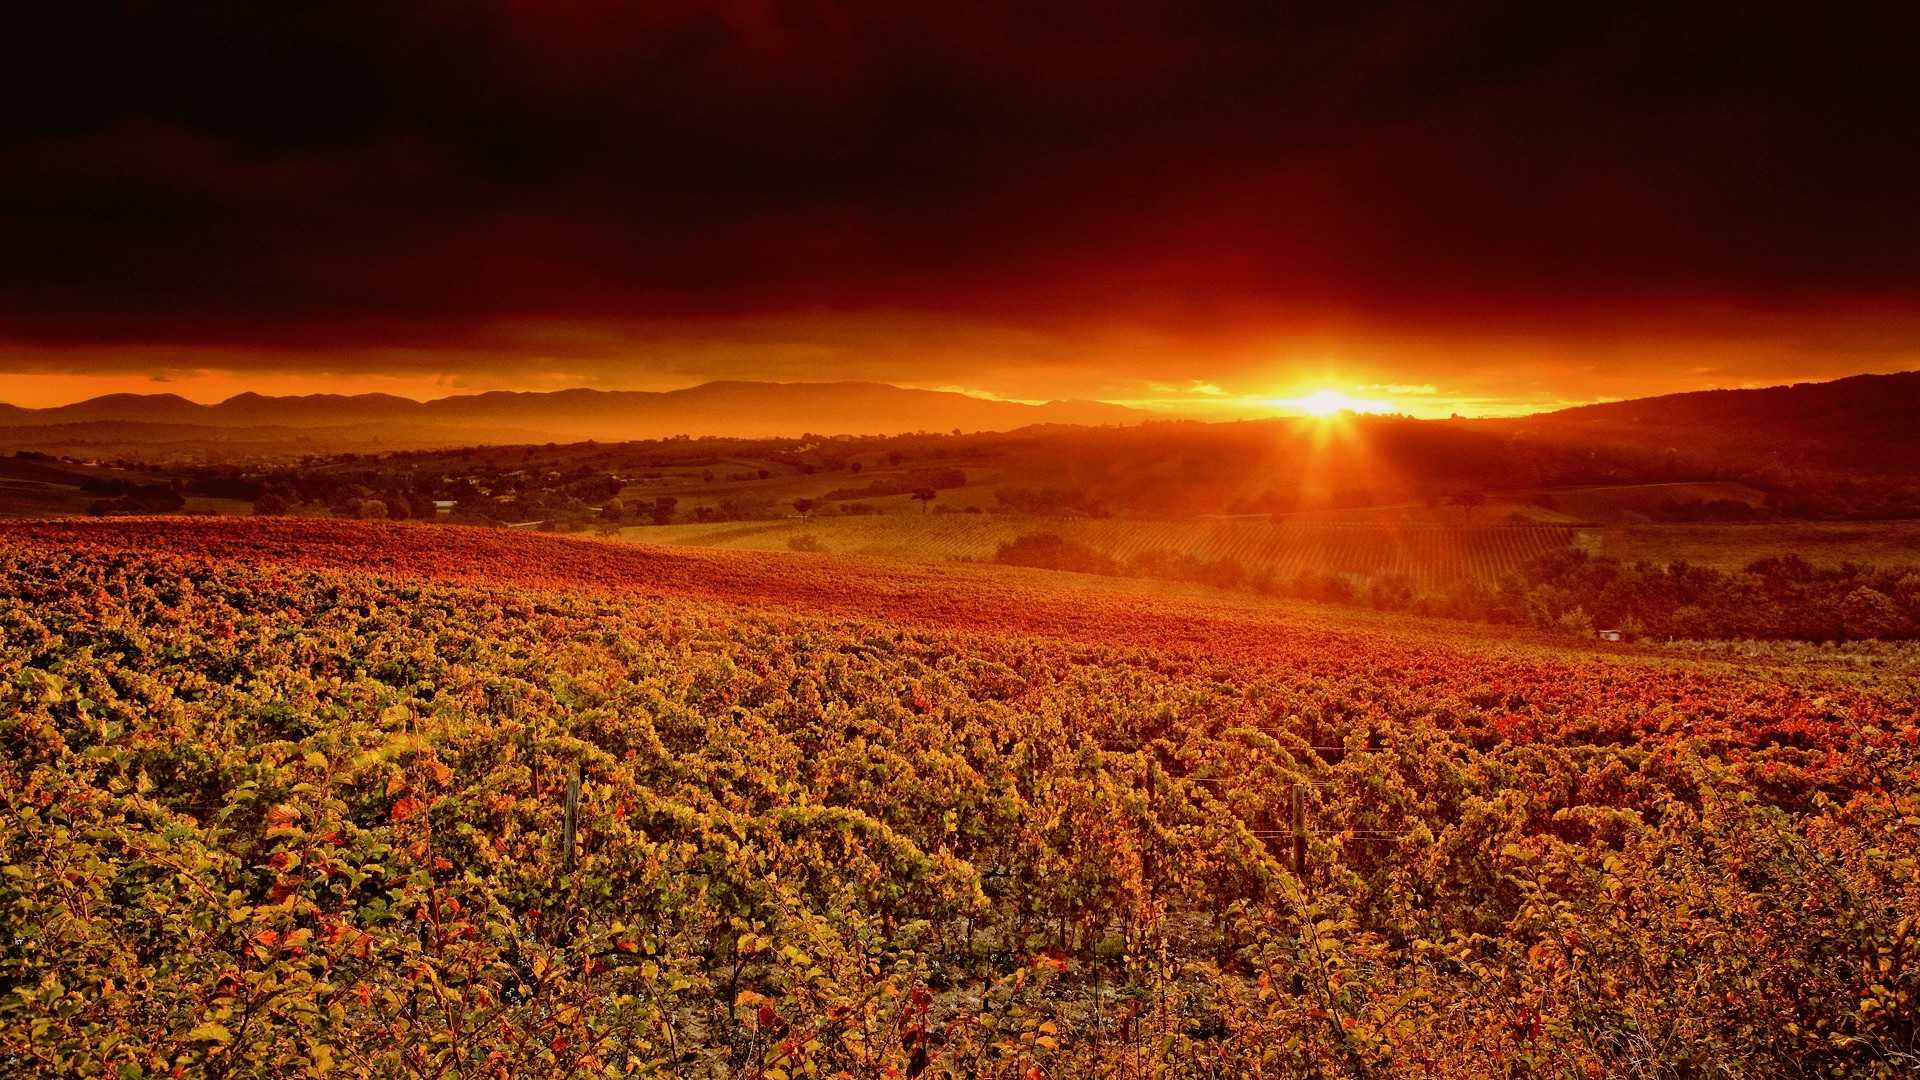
(1211, 207)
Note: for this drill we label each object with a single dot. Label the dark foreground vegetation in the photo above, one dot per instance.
(260, 820)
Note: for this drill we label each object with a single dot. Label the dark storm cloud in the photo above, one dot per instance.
(351, 173)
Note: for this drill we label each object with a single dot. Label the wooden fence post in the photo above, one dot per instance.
(573, 808)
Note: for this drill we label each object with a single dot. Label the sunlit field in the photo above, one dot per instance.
(383, 800)
(1427, 556)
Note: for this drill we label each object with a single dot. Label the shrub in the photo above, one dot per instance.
(1050, 551)
(1869, 613)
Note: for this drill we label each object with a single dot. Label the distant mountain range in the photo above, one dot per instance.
(744, 409)
(1864, 424)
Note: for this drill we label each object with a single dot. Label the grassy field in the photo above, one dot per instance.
(1428, 555)
(1429, 545)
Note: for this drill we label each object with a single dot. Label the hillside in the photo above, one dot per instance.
(385, 422)
(281, 798)
(1867, 424)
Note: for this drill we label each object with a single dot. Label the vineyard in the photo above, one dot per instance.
(294, 798)
(1429, 556)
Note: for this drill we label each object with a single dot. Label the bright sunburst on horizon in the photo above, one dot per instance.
(1328, 402)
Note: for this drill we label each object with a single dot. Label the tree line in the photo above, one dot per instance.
(1781, 597)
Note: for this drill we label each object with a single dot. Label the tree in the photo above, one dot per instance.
(1467, 500)
(803, 507)
(1869, 613)
(269, 505)
(926, 495)
(663, 510)
(744, 506)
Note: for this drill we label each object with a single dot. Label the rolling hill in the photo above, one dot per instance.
(1866, 424)
(319, 422)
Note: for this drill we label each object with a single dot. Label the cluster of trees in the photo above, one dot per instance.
(1827, 497)
(570, 488)
(128, 497)
(590, 472)
(573, 498)
(1780, 598)
(356, 501)
(1776, 599)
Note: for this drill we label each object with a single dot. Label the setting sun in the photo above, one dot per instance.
(1325, 403)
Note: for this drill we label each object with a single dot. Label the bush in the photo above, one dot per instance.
(1869, 613)
(1575, 623)
(744, 507)
(1050, 551)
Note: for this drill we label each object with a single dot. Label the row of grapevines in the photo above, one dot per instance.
(266, 816)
